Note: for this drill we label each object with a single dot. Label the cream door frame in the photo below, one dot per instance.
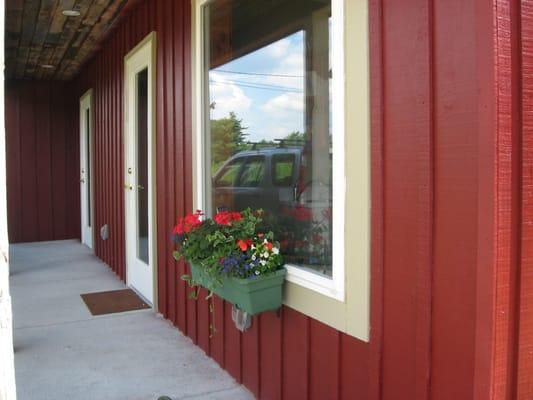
(140, 57)
(87, 231)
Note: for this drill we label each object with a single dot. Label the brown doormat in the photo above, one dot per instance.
(114, 301)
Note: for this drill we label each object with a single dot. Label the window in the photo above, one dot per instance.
(268, 83)
(228, 175)
(283, 170)
(253, 172)
(270, 94)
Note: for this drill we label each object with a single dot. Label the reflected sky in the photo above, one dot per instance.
(264, 88)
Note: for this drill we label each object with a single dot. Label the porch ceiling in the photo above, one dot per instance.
(38, 34)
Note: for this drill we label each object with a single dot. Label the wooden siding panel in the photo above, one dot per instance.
(232, 345)
(217, 339)
(43, 164)
(324, 361)
(293, 356)
(250, 357)
(270, 366)
(354, 369)
(179, 120)
(408, 168)
(43, 203)
(524, 382)
(28, 135)
(162, 194)
(296, 352)
(13, 160)
(456, 201)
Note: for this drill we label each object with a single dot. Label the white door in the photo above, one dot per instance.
(85, 169)
(139, 169)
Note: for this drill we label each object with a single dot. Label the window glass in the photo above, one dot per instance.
(228, 175)
(282, 169)
(253, 172)
(268, 99)
(142, 165)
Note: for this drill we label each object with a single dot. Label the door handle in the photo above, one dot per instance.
(126, 186)
(140, 187)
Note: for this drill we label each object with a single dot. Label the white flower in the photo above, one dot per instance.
(265, 254)
(253, 257)
(253, 247)
(257, 272)
(275, 250)
(265, 241)
(263, 262)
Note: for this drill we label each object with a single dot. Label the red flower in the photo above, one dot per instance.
(244, 244)
(226, 218)
(188, 223)
(317, 238)
(302, 213)
(269, 246)
(236, 216)
(327, 213)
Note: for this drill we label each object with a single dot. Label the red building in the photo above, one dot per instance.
(418, 116)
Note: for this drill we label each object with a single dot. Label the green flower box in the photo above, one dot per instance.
(254, 296)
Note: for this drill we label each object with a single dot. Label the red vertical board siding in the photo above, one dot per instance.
(408, 168)
(295, 355)
(216, 343)
(13, 161)
(162, 194)
(170, 159)
(179, 120)
(524, 382)
(371, 388)
(426, 124)
(232, 345)
(270, 366)
(250, 357)
(42, 127)
(324, 361)
(29, 167)
(456, 201)
(42, 160)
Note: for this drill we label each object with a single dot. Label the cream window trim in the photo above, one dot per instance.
(344, 301)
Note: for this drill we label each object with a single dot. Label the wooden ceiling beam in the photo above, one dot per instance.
(92, 41)
(37, 33)
(48, 7)
(70, 28)
(29, 18)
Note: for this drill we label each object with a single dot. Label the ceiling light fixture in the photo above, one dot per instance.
(71, 13)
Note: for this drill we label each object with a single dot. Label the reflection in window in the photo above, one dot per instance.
(268, 109)
(142, 166)
(253, 172)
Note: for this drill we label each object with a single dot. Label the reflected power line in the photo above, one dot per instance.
(257, 74)
(260, 86)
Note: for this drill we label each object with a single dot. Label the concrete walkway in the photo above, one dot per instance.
(62, 352)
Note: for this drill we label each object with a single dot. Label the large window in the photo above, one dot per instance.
(270, 135)
(271, 85)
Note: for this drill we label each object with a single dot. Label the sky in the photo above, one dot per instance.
(264, 89)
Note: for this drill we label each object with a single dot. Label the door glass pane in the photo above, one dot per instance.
(88, 165)
(142, 166)
(268, 81)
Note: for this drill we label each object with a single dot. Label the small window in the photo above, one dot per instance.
(283, 170)
(228, 176)
(253, 172)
